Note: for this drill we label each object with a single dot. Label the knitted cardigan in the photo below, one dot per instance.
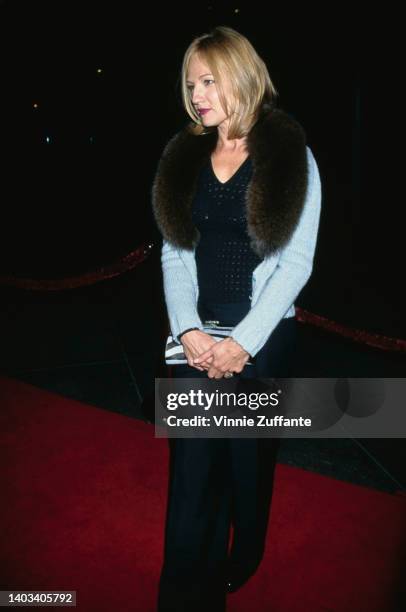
(283, 202)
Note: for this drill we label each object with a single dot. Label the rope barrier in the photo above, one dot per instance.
(384, 343)
(137, 256)
(128, 262)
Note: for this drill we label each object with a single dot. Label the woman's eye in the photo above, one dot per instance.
(206, 82)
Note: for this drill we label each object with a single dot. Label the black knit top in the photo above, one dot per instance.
(224, 258)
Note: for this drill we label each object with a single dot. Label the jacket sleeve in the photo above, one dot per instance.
(292, 272)
(180, 291)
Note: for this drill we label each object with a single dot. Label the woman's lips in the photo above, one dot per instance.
(203, 111)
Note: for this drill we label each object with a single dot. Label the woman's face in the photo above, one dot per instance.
(203, 93)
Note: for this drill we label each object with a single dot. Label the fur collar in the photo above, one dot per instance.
(275, 195)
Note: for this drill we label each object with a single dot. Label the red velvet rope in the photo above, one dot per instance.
(89, 278)
(134, 258)
(384, 343)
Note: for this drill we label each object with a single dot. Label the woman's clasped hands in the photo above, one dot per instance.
(218, 358)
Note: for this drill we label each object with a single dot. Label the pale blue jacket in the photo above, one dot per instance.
(276, 281)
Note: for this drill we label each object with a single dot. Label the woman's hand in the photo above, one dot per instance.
(196, 342)
(224, 356)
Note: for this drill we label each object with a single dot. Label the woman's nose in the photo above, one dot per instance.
(197, 95)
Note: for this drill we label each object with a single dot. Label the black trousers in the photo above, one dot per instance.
(215, 483)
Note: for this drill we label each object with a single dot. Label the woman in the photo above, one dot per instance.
(237, 199)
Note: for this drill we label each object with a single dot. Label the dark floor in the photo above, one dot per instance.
(102, 345)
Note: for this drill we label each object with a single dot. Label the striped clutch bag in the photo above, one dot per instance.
(174, 354)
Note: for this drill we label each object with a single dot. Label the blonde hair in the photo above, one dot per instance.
(230, 55)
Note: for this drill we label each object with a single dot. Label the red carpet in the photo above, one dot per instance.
(83, 506)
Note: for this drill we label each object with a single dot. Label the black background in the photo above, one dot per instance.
(74, 204)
